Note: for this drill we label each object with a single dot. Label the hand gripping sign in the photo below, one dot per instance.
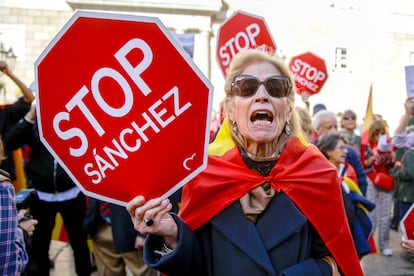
(310, 72)
(122, 107)
(239, 32)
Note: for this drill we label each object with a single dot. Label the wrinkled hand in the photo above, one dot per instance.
(156, 209)
(408, 245)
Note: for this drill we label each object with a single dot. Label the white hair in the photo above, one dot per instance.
(316, 120)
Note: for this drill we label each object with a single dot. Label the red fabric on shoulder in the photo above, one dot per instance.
(301, 172)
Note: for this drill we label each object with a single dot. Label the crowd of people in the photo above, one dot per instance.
(285, 192)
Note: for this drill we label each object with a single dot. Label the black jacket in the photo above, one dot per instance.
(123, 232)
(9, 116)
(42, 170)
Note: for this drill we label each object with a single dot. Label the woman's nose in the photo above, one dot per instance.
(261, 94)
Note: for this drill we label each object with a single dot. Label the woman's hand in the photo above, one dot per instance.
(408, 245)
(156, 210)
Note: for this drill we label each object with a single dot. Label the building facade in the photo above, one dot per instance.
(363, 42)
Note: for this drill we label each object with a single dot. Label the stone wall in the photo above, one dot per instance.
(33, 29)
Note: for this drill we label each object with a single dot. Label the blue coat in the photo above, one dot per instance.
(282, 242)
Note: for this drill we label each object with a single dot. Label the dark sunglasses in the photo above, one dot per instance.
(349, 118)
(246, 86)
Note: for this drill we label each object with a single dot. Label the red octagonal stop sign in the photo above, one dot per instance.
(122, 106)
(310, 72)
(239, 32)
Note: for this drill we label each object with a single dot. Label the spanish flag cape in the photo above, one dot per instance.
(301, 172)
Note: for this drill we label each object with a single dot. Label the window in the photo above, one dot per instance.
(341, 61)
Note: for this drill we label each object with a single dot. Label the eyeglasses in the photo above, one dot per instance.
(342, 148)
(347, 118)
(246, 86)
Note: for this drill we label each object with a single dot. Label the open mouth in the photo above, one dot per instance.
(261, 118)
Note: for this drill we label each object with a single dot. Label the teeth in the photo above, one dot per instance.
(261, 123)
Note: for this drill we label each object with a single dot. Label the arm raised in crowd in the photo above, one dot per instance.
(28, 95)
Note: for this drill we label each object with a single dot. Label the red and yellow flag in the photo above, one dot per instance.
(368, 119)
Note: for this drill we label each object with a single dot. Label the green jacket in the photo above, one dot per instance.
(405, 178)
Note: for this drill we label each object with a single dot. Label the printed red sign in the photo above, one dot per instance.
(122, 107)
(310, 72)
(239, 32)
(407, 224)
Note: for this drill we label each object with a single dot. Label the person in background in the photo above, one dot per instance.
(260, 206)
(402, 202)
(28, 224)
(404, 174)
(315, 110)
(378, 157)
(10, 114)
(318, 107)
(56, 193)
(325, 122)
(13, 255)
(334, 148)
(305, 122)
(348, 130)
(117, 246)
(403, 140)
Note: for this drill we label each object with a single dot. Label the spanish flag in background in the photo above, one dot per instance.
(368, 119)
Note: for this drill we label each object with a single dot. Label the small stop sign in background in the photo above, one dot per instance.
(122, 107)
(239, 32)
(310, 72)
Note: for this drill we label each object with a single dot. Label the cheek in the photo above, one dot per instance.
(280, 117)
(239, 110)
(282, 110)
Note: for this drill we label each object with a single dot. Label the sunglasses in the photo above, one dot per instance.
(347, 118)
(246, 86)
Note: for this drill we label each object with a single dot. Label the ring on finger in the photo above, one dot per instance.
(148, 221)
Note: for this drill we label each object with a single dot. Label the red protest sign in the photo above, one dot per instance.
(122, 107)
(239, 32)
(310, 72)
(407, 224)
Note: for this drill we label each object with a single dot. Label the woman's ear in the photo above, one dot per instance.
(229, 108)
(289, 112)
